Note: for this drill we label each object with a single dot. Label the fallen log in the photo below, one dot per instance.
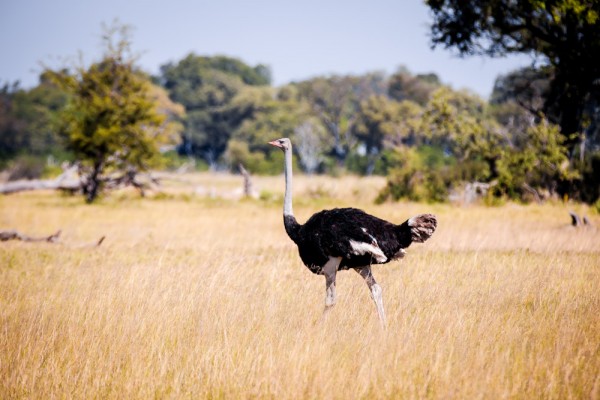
(68, 181)
(16, 235)
(26, 185)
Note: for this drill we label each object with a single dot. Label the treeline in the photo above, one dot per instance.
(429, 140)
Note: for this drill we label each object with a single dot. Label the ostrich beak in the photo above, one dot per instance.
(276, 144)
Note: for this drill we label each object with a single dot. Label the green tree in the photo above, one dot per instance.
(528, 87)
(261, 112)
(378, 118)
(420, 173)
(111, 123)
(310, 140)
(28, 118)
(12, 127)
(534, 164)
(206, 86)
(408, 130)
(172, 127)
(458, 123)
(563, 34)
(418, 88)
(334, 101)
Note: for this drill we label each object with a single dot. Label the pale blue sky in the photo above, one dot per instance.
(296, 39)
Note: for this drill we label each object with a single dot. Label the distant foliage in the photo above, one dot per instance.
(28, 121)
(537, 138)
(534, 165)
(334, 101)
(418, 88)
(419, 174)
(529, 170)
(310, 139)
(206, 87)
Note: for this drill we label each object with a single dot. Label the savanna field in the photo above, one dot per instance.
(201, 295)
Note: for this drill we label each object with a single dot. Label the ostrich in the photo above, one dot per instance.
(348, 238)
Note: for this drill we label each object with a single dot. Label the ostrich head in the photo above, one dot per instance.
(283, 143)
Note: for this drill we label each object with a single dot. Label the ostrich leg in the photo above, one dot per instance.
(330, 270)
(376, 292)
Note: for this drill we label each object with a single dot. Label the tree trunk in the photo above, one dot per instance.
(91, 188)
(566, 100)
(248, 190)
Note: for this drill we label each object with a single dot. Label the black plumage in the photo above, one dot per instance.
(329, 233)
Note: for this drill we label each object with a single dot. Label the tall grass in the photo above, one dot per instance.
(196, 298)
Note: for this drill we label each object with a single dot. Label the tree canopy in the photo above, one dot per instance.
(205, 86)
(27, 120)
(564, 34)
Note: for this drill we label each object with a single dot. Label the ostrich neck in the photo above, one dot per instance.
(289, 221)
(287, 200)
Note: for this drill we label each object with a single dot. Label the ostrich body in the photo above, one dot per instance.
(348, 238)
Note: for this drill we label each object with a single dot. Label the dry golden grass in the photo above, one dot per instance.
(207, 298)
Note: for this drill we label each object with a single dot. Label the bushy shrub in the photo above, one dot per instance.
(534, 166)
(421, 174)
(172, 160)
